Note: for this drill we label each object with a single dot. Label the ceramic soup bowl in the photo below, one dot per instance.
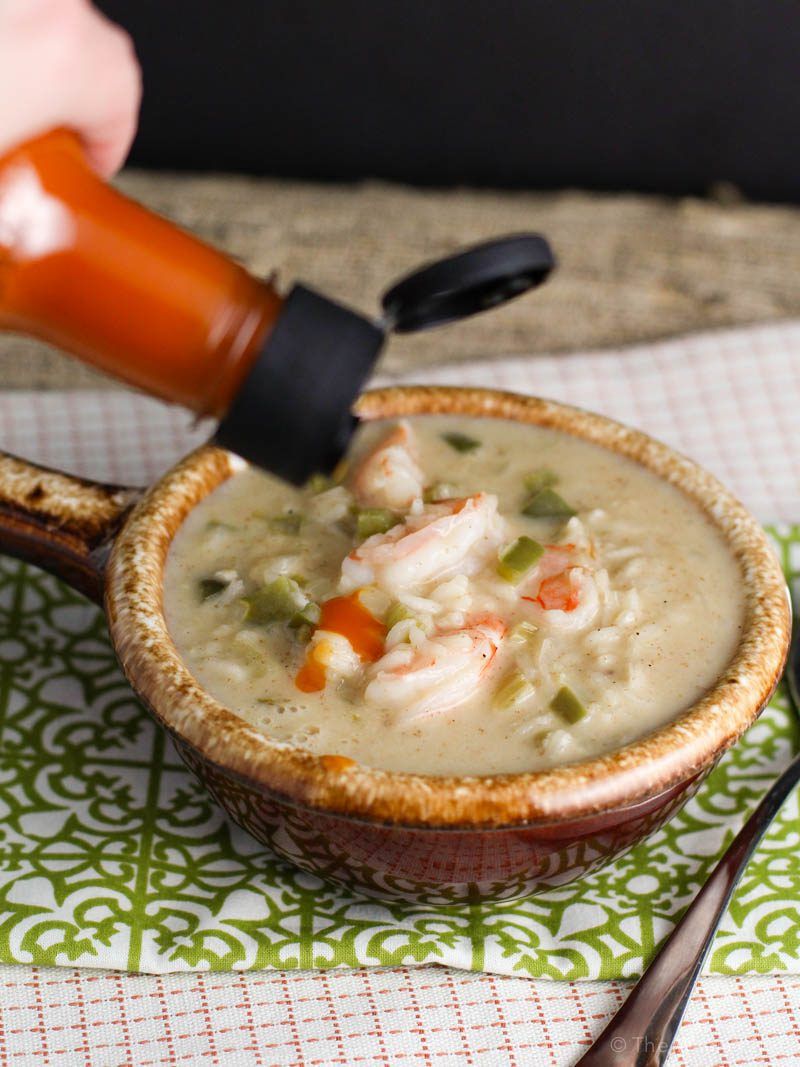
(401, 836)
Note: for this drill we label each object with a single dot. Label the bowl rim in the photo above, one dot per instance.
(678, 751)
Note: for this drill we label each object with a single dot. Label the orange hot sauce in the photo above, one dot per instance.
(89, 270)
(311, 677)
(344, 615)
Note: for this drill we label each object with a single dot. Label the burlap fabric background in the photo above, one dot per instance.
(631, 267)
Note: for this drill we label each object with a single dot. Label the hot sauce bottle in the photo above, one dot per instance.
(100, 276)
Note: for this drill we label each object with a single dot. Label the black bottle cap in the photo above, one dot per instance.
(292, 415)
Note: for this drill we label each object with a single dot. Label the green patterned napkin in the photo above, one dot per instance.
(111, 855)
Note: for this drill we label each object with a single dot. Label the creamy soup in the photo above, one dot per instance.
(474, 596)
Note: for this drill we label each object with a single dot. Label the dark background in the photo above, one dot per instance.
(650, 95)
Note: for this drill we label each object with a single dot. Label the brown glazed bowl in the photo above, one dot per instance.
(401, 836)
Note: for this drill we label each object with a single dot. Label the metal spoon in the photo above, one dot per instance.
(642, 1031)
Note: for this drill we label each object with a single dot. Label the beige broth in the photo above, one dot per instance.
(669, 619)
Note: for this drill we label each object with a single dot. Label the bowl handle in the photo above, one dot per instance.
(63, 524)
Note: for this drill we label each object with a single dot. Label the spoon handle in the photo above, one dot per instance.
(642, 1031)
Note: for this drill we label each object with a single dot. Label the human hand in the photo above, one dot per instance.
(63, 63)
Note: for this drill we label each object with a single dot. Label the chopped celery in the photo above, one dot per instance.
(318, 483)
(282, 600)
(517, 558)
(308, 615)
(461, 442)
(397, 613)
(522, 633)
(277, 601)
(288, 523)
(209, 587)
(540, 479)
(567, 705)
(514, 690)
(547, 504)
(371, 521)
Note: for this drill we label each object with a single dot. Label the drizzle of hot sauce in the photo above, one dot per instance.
(311, 676)
(344, 615)
(337, 764)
